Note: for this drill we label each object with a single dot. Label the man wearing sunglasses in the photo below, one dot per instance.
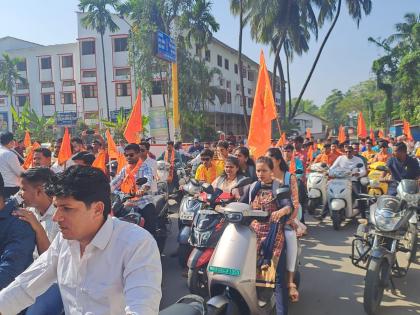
(125, 181)
(209, 169)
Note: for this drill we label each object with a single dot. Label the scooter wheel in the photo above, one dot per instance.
(197, 281)
(336, 220)
(312, 204)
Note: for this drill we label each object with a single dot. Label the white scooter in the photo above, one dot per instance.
(317, 186)
(340, 200)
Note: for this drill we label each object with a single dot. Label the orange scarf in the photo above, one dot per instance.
(172, 162)
(128, 185)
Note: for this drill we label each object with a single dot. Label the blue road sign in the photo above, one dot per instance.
(165, 47)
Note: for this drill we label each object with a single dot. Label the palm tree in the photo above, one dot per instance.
(9, 76)
(99, 18)
(241, 8)
(355, 8)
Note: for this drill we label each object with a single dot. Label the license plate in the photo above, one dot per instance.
(208, 212)
(225, 271)
(187, 216)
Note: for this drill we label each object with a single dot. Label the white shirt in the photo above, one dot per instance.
(57, 168)
(153, 165)
(10, 167)
(350, 164)
(119, 273)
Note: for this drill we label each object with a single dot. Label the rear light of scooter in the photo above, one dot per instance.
(205, 258)
(219, 226)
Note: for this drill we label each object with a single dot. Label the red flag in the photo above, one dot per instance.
(282, 140)
(65, 149)
(308, 133)
(28, 161)
(380, 134)
(407, 130)
(27, 140)
(263, 112)
(361, 126)
(372, 136)
(341, 134)
(112, 147)
(100, 161)
(134, 124)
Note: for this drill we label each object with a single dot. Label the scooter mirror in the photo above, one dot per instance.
(382, 168)
(324, 165)
(141, 181)
(359, 165)
(207, 188)
(283, 192)
(299, 172)
(243, 182)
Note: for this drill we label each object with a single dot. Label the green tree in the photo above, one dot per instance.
(9, 76)
(329, 110)
(118, 126)
(99, 18)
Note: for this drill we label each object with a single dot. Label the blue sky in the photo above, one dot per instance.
(346, 60)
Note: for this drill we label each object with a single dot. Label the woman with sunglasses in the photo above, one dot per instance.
(209, 169)
(230, 176)
(246, 164)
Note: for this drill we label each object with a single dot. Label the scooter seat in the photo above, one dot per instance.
(180, 309)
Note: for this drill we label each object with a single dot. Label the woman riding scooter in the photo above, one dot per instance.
(260, 195)
(281, 173)
(230, 176)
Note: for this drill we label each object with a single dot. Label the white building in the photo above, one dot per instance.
(69, 78)
(306, 120)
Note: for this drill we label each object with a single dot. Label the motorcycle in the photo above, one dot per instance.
(392, 230)
(340, 195)
(317, 186)
(377, 187)
(233, 265)
(207, 228)
(190, 205)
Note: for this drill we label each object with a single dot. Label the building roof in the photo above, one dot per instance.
(313, 115)
(18, 39)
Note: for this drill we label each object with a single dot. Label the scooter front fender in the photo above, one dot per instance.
(184, 235)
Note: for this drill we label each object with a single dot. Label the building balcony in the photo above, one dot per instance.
(88, 62)
(67, 73)
(45, 75)
(120, 59)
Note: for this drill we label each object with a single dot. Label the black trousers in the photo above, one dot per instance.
(150, 218)
(9, 191)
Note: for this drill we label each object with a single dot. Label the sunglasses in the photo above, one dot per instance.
(205, 159)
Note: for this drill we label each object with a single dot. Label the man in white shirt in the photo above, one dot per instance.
(152, 163)
(10, 167)
(102, 265)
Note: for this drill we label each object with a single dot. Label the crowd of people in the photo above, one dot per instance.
(61, 251)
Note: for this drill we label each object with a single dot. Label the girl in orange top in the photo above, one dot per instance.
(383, 155)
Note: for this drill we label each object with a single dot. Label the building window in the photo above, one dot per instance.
(89, 74)
(69, 83)
(121, 44)
(88, 47)
(22, 86)
(228, 85)
(48, 99)
(308, 124)
(21, 65)
(208, 55)
(219, 61)
(243, 72)
(89, 91)
(157, 87)
(251, 75)
(68, 98)
(123, 72)
(236, 68)
(250, 102)
(249, 91)
(67, 61)
(123, 89)
(46, 63)
(21, 99)
(46, 85)
(226, 64)
(238, 87)
(222, 82)
(228, 97)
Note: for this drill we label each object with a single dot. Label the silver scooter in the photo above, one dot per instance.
(317, 186)
(233, 266)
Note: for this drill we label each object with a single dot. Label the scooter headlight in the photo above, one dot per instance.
(364, 181)
(374, 183)
(234, 217)
(387, 220)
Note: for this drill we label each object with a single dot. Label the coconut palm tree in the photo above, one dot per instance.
(328, 7)
(9, 76)
(99, 18)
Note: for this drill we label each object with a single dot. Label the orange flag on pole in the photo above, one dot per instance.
(310, 153)
(112, 147)
(134, 124)
(380, 134)
(263, 112)
(372, 136)
(28, 161)
(121, 162)
(407, 130)
(308, 133)
(292, 166)
(27, 140)
(341, 134)
(282, 140)
(65, 149)
(100, 161)
(361, 126)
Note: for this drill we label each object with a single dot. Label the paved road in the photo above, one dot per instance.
(330, 283)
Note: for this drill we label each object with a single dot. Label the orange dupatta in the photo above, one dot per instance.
(172, 162)
(128, 184)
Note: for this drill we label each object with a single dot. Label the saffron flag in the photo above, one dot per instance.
(380, 134)
(282, 140)
(361, 126)
(121, 162)
(100, 161)
(407, 130)
(341, 134)
(134, 124)
(27, 140)
(263, 112)
(65, 149)
(308, 133)
(372, 136)
(310, 154)
(28, 160)
(112, 147)
(292, 166)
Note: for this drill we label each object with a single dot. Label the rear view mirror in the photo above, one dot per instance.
(243, 182)
(382, 168)
(324, 165)
(141, 181)
(283, 192)
(359, 165)
(299, 172)
(207, 188)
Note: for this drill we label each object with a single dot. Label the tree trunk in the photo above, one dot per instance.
(164, 100)
(289, 88)
(282, 91)
(296, 106)
(106, 82)
(242, 88)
